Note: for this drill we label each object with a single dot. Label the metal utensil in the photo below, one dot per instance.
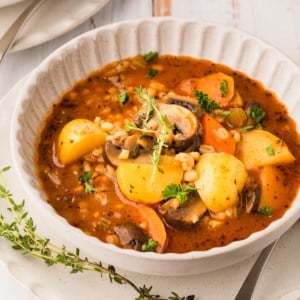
(8, 38)
(249, 284)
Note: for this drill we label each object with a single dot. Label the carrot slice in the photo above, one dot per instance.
(156, 227)
(214, 134)
(219, 87)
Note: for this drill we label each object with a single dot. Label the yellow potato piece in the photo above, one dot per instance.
(272, 190)
(221, 178)
(77, 138)
(137, 183)
(259, 148)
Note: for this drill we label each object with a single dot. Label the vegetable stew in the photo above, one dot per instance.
(168, 154)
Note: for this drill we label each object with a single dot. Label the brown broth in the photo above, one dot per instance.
(97, 213)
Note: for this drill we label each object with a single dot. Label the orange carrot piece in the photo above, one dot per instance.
(214, 135)
(210, 85)
(156, 227)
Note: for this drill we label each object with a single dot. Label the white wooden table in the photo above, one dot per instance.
(275, 21)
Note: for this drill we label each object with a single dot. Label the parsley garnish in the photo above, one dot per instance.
(266, 210)
(270, 150)
(207, 104)
(151, 73)
(256, 113)
(149, 246)
(150, 56)
(224, 88)
(177, 191)
(89, 188)
(85, 178)
(123, 97)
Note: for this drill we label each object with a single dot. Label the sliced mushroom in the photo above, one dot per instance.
(187, 102)
(250, 195)
(185, 123)
(111, 155)
(186, 133)
(184, 215)
(131, 235)
(131, 144)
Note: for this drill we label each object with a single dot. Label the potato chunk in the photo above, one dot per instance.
(272, 189)
(137, 184)
(77, 138)
(259, 148)
(221, 178)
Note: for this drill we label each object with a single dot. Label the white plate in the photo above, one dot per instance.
(51, 283)
(52, 19)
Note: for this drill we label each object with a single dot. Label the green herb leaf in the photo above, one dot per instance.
(266, 210)
(123, 97)
(247, 128)
(207, 104)
(151, 73)
(89, 188)
(5, 169)
(256, 113)
(225, 113)
(85, 177)
(149, 246)
(130, 126)
(150, 56)
(224, 88)
(177, 191)
(270, 150)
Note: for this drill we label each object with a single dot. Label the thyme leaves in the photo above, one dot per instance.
(162, 120)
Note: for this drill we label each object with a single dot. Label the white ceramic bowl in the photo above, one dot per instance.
(94, 49)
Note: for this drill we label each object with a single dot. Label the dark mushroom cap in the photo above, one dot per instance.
(187, 214)
(187, 102)
(250, 195)
(131, 235)
(186, 133)
(111, 155)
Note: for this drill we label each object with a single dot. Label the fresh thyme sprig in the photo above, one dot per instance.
(21, 232)
(162, 120)
(130, 126)
(150, 103)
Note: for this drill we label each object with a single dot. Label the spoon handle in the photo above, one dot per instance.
(248, 286)
(8, 38)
